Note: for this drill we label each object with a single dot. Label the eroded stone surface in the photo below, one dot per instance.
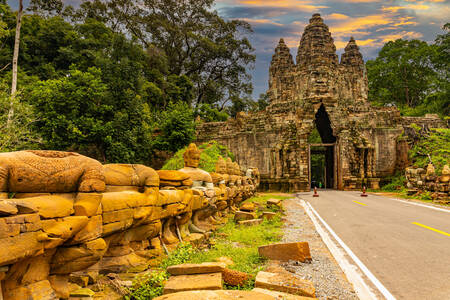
(216, 295)
(286, 251)
(285, 283)
(211, 281)
(203, 268)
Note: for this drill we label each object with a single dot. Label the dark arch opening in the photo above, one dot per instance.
(322, 157)
(323, 125)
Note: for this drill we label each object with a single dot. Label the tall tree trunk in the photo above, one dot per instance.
(15, 58)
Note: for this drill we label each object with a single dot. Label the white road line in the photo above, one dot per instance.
(355, 277)
(423, 205)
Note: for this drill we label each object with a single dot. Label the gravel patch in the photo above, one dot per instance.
(329, 280)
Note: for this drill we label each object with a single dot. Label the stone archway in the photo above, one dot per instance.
(326, 150)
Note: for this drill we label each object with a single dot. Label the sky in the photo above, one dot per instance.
(371, 23)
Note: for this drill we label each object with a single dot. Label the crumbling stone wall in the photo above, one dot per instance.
(63, 214)
(316, 91)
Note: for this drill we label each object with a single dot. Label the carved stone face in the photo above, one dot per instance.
(230, 166)
(221, 166)
(191, 156)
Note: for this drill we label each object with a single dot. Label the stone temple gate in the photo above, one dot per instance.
(361, 143)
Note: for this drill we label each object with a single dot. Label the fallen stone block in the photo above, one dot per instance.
(212, 281)
(189, 269)
(235, 278)
(243, 215)
(268, 215)
(250, 207)
(40, 290)
(285, 283)
(281, 295)
(216, 295)
(250, 222)
(273, 201)
(286, 251)
(82, 293)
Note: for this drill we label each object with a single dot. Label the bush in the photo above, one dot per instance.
(395, 183)
(208, 158)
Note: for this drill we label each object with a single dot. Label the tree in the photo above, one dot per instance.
(176, 127)
(19, 134)
(402, 73)
(197, 42)
(14, 63)
(46, 7)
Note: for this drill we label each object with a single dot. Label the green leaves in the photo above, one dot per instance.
(413, 75)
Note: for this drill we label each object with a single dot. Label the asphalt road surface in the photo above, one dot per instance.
(406, 246)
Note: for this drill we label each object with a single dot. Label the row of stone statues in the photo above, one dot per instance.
(63, 213)
(419, 179)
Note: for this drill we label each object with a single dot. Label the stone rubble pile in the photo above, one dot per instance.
(419, 180)
(66, 218)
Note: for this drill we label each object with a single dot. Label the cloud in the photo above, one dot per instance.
(303, 5)
(400, 35)
(336, 16)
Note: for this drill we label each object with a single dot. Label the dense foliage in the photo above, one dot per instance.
(433, 146)
(210, 153)
(412, 75)
(110, 83)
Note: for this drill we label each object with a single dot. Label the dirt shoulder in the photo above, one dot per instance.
(329, 280)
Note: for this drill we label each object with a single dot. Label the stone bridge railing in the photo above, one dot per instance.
(63, 213)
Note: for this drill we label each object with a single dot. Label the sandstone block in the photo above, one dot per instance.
(86, 204)
(268, 215)
(7, 209)
(226, 260)
(171, 175)
(82, 293)
(188, 269)
(40, 290)
(273, 201)
(50, 207)
(285, 283)
(216, 295)
(250, 222)
(116, 226)
(250, 207)
(92, 230)
(280, 295)
(65, 228)
(118, 215)
(212, 281)
(286, 251)
(18, 247)
(235, 278)
(8, 230)
(243, 215)
(60, 283)
(20, 219)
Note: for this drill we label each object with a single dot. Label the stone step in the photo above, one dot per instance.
(180, 283)
(243, 215)
(285, 283)
(203, 268)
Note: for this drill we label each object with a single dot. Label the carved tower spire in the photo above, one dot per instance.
(282, 63)
(316, 46)
(352, 61)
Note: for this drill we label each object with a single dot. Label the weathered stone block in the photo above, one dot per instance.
(212, 281)
(286, 251)
(86, 204)
(250, 222)
(280, 295)
(242, 215)
(285, 283)
(235, 278)
(189, 269)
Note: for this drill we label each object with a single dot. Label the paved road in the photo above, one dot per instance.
(411, 261)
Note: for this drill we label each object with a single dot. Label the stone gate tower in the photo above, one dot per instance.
(359, 141)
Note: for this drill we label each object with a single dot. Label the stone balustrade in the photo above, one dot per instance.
(62, 213)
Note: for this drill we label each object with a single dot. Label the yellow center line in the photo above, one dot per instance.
(360, 203)
(431, 228)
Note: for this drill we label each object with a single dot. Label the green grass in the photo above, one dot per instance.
(240, 243)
